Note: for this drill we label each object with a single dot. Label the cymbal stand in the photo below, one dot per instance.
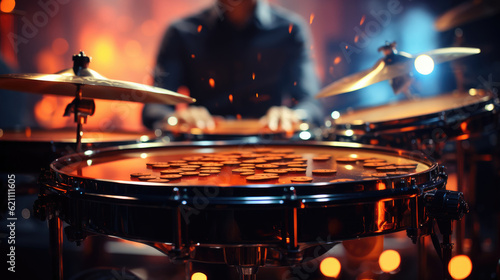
(80, 107)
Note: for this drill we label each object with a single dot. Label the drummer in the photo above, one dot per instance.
(239, 59)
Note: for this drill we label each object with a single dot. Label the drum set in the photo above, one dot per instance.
(319, 193)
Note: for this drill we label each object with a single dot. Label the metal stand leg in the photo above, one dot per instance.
(187, 270)
(247, 273)
(461, 187)
(56, 243)
(422, 258)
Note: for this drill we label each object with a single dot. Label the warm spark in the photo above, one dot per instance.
(253, 76)
(211, 82)
(290, 27)
(311, 18)
(199, 28)
(337, 60)
(231, 98)
(362, 20)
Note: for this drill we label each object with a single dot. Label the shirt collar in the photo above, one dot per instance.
(261, 18)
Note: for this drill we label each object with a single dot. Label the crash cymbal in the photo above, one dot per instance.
(383, 70)
(466, 13)
(95, 86)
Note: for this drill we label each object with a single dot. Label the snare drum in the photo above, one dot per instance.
(302, 196)
(413, 123)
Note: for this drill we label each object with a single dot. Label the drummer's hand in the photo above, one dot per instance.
(196, 116)
(280, 116)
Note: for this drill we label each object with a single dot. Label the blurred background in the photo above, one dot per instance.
(122, 37)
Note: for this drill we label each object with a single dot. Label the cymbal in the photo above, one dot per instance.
(383, 71)
(466, 13)
(93, 85)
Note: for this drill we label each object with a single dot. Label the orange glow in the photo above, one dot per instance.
(199, 28)
(381, 186)
(150, 28)
(211, 82)
(257, 95)
(253, 76)
(460, 267)
(290, 27)
(231, 98)
(27, 132)
(389, 260)
(7, 6)
(133, 48)
(356, 38)
(463, 126)
(362, 20)
(337, 60)
(48, 62)
(103, 51)
(198, 276)
(330, 267)
(311, 18)
(49, 109)
(193, 56)
(60, 46)
(346, 47)
(295, 83)
(238, 116)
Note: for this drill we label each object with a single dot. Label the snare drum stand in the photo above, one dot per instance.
(442, 207)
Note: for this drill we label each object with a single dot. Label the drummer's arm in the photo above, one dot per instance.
(299, 84)
(168, 74)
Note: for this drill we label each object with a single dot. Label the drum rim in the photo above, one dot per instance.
(420, 121)
(312, 194)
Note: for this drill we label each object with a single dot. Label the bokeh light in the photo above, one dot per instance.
(7, 6)
(330, 267)
(60, 46)
(198, 276)
(460, 267)
(389, 260)
(424, 64)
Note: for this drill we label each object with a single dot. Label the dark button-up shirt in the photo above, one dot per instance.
(233, 71)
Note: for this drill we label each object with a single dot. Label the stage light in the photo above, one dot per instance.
(198, 276)
(335, 115)
(305, 135)
(172, 121)
(7, 6)
(460, 267)
(424, 64)
(330, 267)
(389, 260)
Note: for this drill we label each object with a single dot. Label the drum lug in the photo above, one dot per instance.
(74, 234)
(290, 239)
(179, 251)
(442, 173)
(414, 230)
